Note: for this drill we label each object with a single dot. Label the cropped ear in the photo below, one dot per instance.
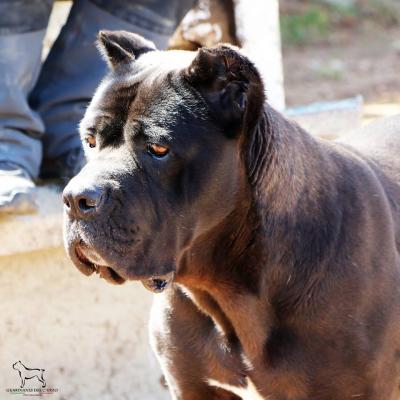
(230, 84)
(119, 47)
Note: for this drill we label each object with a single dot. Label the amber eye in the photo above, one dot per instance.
(157, 150)
(91, 140)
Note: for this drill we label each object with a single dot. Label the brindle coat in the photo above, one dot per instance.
(283, 249)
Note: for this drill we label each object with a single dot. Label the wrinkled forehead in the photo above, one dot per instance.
(155, 64)
(147, 74)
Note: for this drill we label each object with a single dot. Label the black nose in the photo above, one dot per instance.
(83, 203)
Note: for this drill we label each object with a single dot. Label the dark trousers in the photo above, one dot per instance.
(41, 105)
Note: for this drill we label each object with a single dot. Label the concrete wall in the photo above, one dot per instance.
(257, 25)
(90, 337)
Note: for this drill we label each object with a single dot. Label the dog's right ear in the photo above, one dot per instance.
(120, 47)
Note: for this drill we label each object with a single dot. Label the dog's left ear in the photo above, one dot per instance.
(230, 83)
(119, 47)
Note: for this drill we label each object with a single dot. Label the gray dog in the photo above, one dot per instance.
(277, 254)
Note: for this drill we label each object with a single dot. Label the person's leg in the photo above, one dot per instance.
(74, 68)
(22, 28)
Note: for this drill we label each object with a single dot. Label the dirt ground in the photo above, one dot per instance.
(363, 60)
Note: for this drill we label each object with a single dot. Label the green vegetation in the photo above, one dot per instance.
(305, 22)
(302, 28)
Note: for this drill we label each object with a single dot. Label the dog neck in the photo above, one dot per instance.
(280, 238)
(288, 215)
(297, 187)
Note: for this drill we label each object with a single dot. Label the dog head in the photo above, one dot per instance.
(162, 136)
(17, 365)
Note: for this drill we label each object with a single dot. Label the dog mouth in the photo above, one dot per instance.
(90, 262)
(158, 284)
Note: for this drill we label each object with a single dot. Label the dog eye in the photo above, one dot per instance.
(91, 140)
(157, 150)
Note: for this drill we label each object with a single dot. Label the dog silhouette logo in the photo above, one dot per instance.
(29, 373)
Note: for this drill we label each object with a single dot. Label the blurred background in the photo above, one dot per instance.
(332, 65)
(335, 49)
(313, 51)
